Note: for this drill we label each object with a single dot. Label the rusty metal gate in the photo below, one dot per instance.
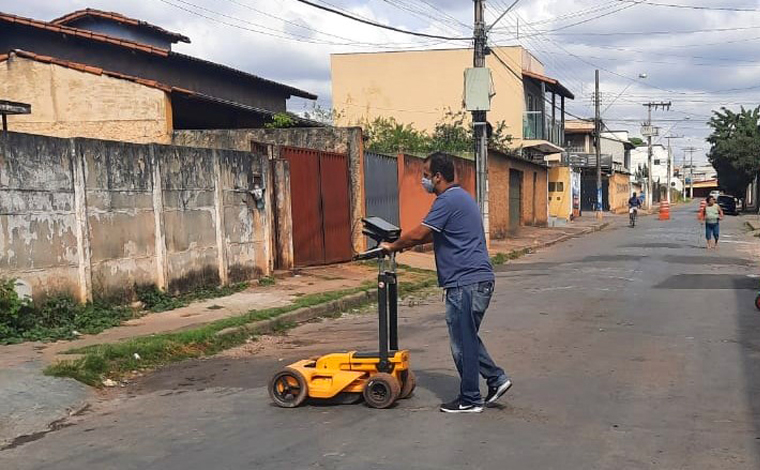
(381, 187)
(320, 206)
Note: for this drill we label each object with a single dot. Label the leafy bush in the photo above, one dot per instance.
(58, 317)
(156, 300)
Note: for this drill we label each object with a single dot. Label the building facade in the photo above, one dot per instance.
(100, 74)
(420, 87)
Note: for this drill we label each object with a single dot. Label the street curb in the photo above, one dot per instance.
(301, 315)
(563, 238)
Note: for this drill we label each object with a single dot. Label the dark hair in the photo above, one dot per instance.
(441, 163)
(707, 199)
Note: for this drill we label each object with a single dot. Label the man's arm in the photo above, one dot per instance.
(419, 235)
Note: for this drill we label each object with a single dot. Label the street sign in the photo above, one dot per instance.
(650, 131)
(11, 107)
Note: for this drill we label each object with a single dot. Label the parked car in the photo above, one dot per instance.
(715, 194)
(729, 204)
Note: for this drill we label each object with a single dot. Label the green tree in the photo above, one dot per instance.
(281, 120)
(386, 135)
(327, 116)
(452, 134)
(637, 141)
(735, 147)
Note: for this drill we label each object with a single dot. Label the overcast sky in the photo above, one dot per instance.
(291, 42)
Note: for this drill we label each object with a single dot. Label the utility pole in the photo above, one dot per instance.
(650, 133)
(691, 151)
(598, 147)
(670, 156)
(479, 119)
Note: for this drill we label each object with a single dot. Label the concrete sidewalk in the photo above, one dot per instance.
(31, 402)
(528, 238)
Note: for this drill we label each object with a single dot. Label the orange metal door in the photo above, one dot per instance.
(306, 206)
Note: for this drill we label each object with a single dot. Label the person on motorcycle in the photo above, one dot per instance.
(634, 204)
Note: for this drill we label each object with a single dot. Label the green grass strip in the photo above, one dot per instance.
(114, 360)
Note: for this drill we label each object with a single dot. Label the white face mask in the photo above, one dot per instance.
(427, 183)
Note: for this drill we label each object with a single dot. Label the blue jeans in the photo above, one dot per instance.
(465, 308)
(712, 230)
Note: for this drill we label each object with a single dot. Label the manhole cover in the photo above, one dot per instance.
(709, 282)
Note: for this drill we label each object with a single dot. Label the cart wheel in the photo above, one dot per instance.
(381, 390)
(757, 301)
(410, 383)
(288, 388)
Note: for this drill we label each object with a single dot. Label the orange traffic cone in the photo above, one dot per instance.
(664, 210)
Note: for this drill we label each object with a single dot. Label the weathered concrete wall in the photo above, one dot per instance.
(347, 140)
(38, 224)
(120, 215)
(98, 217)
(72, 103)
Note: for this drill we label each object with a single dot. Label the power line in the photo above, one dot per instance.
(574, 14)
(691, 7)
(380, 25)
(587, 20)
(260, 29)
(423, 15)
(651, 33)
(536, 46)
(300, 25)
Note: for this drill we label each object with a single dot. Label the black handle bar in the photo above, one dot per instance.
(374, 253)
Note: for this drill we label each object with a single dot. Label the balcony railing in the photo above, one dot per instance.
(533, 128)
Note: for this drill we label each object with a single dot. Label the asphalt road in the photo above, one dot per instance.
(629, 349)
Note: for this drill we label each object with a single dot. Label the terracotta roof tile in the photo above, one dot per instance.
(4, 17)
(148, 49)
(118, 17)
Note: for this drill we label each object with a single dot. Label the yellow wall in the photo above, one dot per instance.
(560, 202)
(619, 192)
(417, 87)
(71, 103)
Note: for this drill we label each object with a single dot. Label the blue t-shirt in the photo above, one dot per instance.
(461, 256)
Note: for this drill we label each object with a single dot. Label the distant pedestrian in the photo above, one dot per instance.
(455, 227)
(713, 214)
